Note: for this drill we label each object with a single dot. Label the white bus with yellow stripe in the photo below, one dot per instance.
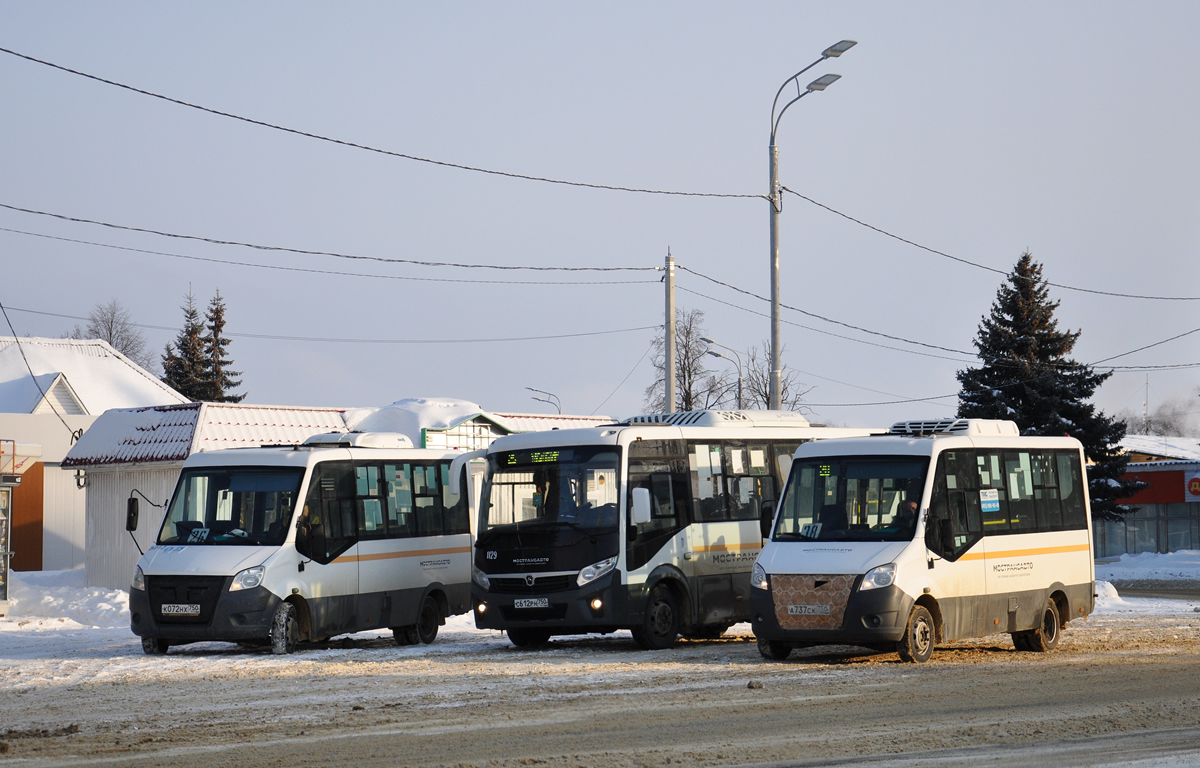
(999, 541)
(275, 545)
(651, 524)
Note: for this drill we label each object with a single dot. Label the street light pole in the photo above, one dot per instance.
(776, 201)
(550, 398)
(737, 362)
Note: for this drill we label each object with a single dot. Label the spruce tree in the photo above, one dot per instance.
(1027, 377)
(219, 379)
(184, 366)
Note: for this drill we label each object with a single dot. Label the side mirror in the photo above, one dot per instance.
(131, 514)
(640, 514)
(765, 517)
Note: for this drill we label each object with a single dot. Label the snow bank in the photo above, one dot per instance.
(1183, 565)
(64, 595)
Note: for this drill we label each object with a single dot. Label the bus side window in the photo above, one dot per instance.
(708, 487)
(369, 501)
(1046, 503)
(746, 470)
(991, 478)
(1070, 490)
(454, 501)
(329, 519)
(397, 479)
(428, 501)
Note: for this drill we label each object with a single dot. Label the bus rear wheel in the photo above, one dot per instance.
(528, 638)
(660, 627)
(919, 634)
(428, 621)
(1043, 638)
(406, 635)
(773, 650)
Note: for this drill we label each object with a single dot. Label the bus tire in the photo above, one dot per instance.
(406, 635)
(1020, 641)
(919, 637)
(660, 626)
(772, 650)
(1044, 638)
(154, 646)
(285, 630)
(528, 638)
(428, 621)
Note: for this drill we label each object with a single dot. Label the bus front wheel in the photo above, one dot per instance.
(661, 624)
(917, 645)
(528, 638)
(773, 650)
(285, 629)
(154, 646)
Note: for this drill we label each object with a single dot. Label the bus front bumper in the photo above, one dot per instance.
(236, 617)
(601, 606)
(871, 618)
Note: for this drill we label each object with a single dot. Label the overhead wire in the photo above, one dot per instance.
(75, 433)
(325, 271)
(306, 252)
(364, 147)
(968, 262)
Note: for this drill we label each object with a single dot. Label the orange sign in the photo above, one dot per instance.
(1193, 486)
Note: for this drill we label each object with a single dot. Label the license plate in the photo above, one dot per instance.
(532, 602)
(808, 610)
(181, 609)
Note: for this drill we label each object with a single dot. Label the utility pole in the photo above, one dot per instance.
(669, 333)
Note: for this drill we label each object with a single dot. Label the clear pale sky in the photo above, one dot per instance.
(980, 130)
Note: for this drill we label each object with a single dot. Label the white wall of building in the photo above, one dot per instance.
(110, 552)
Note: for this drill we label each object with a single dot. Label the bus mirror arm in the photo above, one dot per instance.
(766, 516)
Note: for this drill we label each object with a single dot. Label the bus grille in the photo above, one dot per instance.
(541, 584)
(184, 590)
(800, 600)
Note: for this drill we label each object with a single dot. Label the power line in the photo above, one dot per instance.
(306, 252)
(826, 319)
(976, 264)
(631, 370)
(326, 271)
(364, 147)
(75, 434)
(276, 337)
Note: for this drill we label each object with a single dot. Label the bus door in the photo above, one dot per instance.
(729, 481)
(661, 466)
(962, 491)
(413, 531)
(327, 536)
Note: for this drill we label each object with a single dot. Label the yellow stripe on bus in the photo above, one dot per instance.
(410, 553)
(1025, 552)
(727, 548)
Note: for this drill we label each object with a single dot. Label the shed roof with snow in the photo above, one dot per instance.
(1146, 448)
(74, 376)
(171, 433)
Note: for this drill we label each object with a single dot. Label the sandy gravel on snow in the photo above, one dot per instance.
(472, 699)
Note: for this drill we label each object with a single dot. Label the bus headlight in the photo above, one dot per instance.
(480, 578)
(883, 576)
(248, 579)
(758, 577)
(595, 571)
(139, 578)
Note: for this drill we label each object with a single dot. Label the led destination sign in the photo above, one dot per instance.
(538, 457)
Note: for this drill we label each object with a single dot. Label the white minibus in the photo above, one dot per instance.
(935, 532)
(275, 545)
(650, 525)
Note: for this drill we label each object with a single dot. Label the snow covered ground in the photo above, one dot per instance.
(54, 616)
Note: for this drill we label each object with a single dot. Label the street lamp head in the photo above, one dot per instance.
(837, 49)
(823, 82)
(716, 354)
(707, 340)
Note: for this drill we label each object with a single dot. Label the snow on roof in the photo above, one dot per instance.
(1178, 448)
(539, 422)
(171, 433)
(412, 415)
(100, 377)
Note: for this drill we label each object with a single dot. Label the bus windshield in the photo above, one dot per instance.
(549, 487)
(232, 506)
(852, 498)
